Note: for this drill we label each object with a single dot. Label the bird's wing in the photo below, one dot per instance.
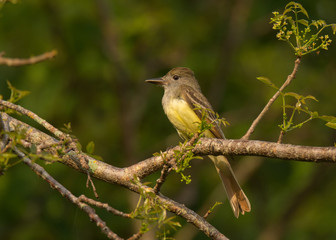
(199, 104)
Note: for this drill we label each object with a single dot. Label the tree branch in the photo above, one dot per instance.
(124, 176)
(111, 174)
(14, 62)
(108, 208)
(271, 101)
(207, 146)
(212, 146)
(35, 117)
(40, 171)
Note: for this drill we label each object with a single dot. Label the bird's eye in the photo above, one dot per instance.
(175, 77)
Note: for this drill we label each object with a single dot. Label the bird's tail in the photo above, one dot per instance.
(238, 200)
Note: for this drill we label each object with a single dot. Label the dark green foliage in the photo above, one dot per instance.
(227, 44)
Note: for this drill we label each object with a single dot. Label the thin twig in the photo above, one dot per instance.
(112, 210)
(211, 209)
(89, 180)
(271, 101)
(14, 62)
(136, 236)
(36, 118)
(6, 147)
(164, 173)
(169, 165)
(282, 133)
(107, 207)
(62, 136)
(40, 171)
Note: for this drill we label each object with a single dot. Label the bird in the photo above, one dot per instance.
(184, 104)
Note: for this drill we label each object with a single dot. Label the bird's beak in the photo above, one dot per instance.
(156, 81)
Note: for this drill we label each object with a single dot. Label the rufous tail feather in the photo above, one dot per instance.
(237, 198)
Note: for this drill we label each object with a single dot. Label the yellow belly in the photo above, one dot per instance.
(183, 118)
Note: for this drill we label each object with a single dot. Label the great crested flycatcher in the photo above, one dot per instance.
(184, 104)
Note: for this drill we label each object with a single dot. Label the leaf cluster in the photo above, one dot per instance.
(152, 212)
(185, 155)
(9, 159)
(301, 33)
(291, 111)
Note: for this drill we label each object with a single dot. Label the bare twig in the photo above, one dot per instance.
(136, 236)
(40, 171)
(167, 167)
(36, 118)
(62, 136)
(211, 209)
(164, 173)
(89, 180)
(280, 136)
(108, 208)
(6, 147)
(28, 61)
(271, 101)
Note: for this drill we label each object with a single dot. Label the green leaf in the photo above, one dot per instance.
(90, 147)
(303, 22)
(331, 125)
(267, 81)
(51, 158)
(67, 128)
(8, 155)
(162, 216)
(303, 10)
(287, 10)
(290, 4)
(293, 94)
(321, 22)
(333, 27)
(315, 24)
(327, 118)
(174, 225)
(296, 5)
(314, 114)
(144, 227)
(311, 97)
(33, 149)
(16, 94)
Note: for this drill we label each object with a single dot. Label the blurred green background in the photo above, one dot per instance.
(106, 51)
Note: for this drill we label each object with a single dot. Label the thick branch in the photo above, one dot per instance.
(266, 149)
(207, 146)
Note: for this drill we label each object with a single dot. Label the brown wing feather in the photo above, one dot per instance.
(196, 100)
